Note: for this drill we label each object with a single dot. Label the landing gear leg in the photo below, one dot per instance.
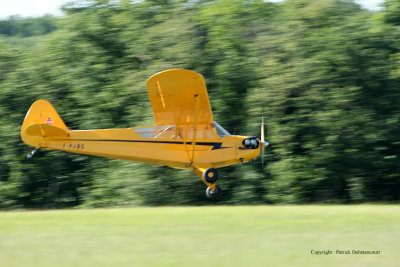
(209, 177)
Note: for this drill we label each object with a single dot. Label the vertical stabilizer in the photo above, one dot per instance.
(42, 122)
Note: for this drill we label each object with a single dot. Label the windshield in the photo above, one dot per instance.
(220, 131)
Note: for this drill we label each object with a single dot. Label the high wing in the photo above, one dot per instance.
(179, 97)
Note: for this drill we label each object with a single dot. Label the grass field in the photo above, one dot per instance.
(202, 236)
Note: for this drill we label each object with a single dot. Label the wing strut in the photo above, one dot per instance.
(196, 117)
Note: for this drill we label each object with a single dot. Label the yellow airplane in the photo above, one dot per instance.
(185, 135)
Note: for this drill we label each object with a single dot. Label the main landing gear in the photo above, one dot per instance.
(214, 194)
(209, 177)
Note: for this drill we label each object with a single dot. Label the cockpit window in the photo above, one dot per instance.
(220, 131)
(164, 131)
(183, 132)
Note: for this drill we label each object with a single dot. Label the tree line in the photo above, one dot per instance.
(324, 74)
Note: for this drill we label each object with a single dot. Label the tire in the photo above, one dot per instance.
(214, 195)
(210, 175)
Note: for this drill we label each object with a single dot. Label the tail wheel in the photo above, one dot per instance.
(214, 195)
(210, 175)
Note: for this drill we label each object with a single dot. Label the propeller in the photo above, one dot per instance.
(263, 142)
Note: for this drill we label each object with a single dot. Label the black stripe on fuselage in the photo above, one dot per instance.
(215, 145)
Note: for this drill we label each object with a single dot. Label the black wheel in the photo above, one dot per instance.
(214, 195)
(210, 175)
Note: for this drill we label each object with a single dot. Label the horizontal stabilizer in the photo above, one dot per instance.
(45, 130)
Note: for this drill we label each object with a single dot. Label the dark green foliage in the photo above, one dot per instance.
(392, 13)
(325, 75)
(26, 27)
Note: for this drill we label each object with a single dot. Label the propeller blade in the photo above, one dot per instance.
(262, 130)
(262, 141)
(262, 157)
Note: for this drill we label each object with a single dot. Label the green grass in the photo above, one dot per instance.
(201, 236)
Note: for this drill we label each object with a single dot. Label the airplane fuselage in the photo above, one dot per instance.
(129, 145)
